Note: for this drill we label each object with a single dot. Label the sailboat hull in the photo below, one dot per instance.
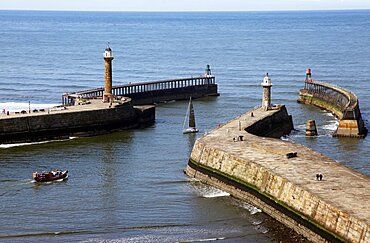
(190, 130)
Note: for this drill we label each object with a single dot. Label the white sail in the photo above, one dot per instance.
(190, 119)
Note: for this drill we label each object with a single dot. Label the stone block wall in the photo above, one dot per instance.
(64, 124)
(354, 127)
(329, 220)
(289, 203)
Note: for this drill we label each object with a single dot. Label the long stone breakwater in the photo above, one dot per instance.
(144, 93)
(341, 102)
(280, 177)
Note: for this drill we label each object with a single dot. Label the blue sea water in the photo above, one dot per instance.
(129, 186)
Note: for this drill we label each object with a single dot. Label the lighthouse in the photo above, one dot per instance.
(266, 96)
(108, 57)
(308, 75)
(207, 71)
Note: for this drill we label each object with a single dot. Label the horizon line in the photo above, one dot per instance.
(185, 11)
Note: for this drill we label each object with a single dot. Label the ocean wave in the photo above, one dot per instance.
(205, 239)
(207, 191)
(332, 126)
(327, 113)
(252, 209)
(216, 193)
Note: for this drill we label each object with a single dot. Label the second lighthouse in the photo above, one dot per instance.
(108, 57)
(266, 96)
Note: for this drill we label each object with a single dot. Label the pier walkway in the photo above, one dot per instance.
(154, 91)
(257, 169)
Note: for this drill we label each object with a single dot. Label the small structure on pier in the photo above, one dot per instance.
(266, 96)
(308, 75)
(108, 57)
(208, 72)
(311, 129)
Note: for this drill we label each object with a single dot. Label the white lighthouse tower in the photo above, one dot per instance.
(108, 57)
(266, 96)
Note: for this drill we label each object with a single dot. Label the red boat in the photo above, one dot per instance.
(50, 176)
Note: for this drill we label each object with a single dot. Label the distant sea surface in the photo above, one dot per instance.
(129, 186)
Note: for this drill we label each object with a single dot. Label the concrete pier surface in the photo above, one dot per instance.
(90, 105)
(85, 118)
(258, 170)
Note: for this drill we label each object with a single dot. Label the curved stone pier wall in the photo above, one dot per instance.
(256, 169)
(342, 103)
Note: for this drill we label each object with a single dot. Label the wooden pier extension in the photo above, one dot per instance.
(154, 91)
(341, 102)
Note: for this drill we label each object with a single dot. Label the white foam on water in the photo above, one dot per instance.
(5, 146)
(16, 106)
(257, 222)
(193, 179)
(262, 229)
(332, 126)
(327, 113)
(208, 191)
(204, 240)
(216, 194)
(252, 209)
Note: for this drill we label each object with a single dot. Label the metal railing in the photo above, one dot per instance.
(141, 87)
(342, 98)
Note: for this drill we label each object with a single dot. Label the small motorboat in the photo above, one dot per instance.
(53, 175)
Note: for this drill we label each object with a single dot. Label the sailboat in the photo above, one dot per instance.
(191, 119)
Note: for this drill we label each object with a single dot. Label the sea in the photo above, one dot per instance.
(129, 186)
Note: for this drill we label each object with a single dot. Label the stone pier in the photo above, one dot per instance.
(341, 102)
(280, 177)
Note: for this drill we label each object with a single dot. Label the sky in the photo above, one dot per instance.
(183, 5)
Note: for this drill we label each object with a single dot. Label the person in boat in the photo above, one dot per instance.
(55, 172)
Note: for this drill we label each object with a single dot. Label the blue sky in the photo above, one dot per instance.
(183, 5)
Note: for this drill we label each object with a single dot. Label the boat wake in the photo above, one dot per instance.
(6, 146)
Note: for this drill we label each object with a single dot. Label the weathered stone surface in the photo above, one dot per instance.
(89, 119)
(341, 102)
(338, 204)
